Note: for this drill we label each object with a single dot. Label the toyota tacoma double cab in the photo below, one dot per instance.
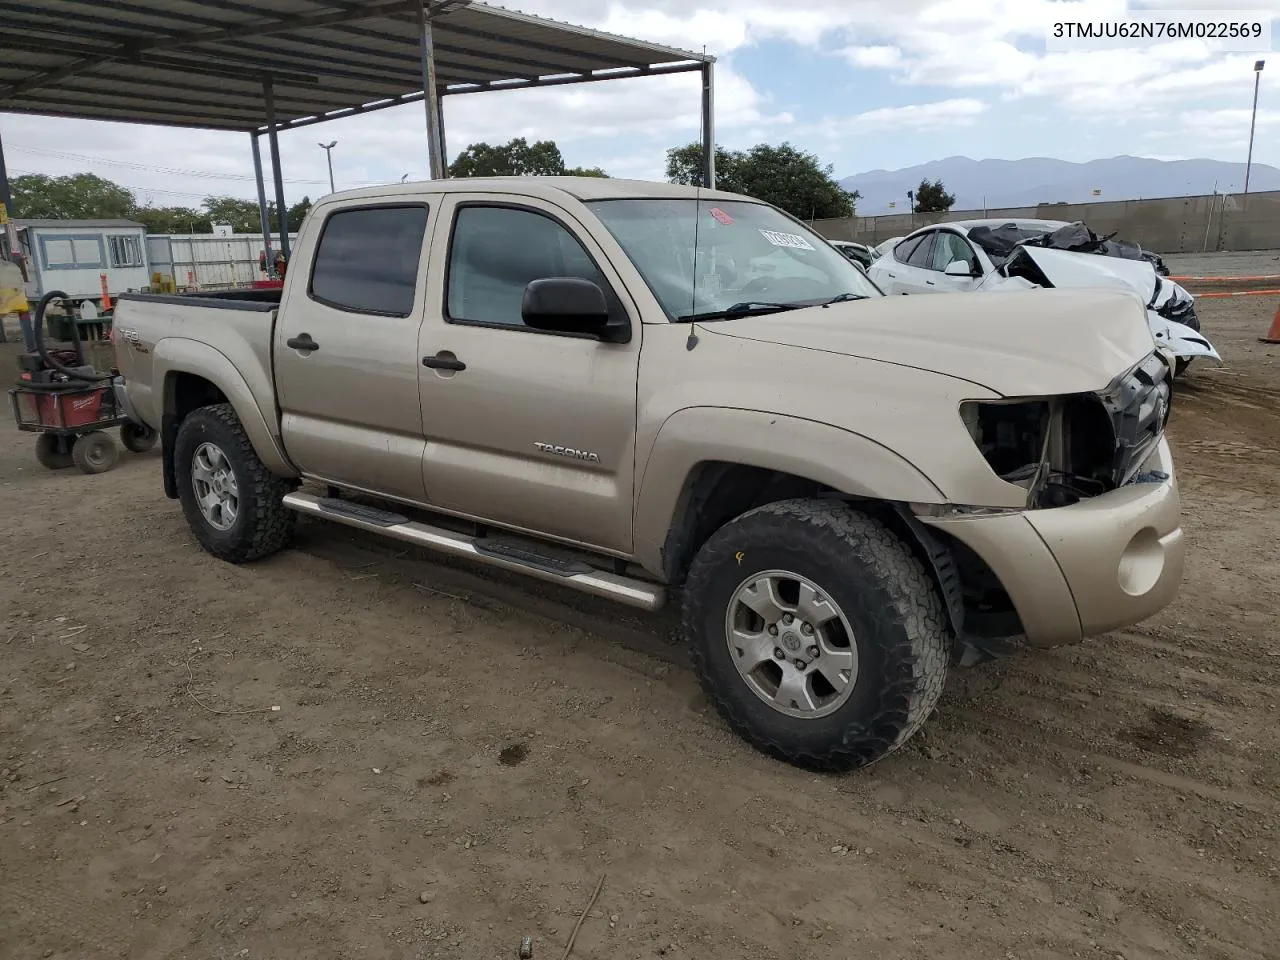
(643, 391)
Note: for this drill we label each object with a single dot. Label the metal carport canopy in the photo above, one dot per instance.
(270, 65)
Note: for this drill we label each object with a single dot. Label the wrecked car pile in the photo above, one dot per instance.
(993, 255)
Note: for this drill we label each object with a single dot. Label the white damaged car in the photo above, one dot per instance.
(994, 255)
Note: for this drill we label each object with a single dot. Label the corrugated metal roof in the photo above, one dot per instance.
(79, 224)
(201, 63)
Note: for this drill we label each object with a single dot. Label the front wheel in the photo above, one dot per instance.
(1180, 366)
(232, 502)
(817, 634)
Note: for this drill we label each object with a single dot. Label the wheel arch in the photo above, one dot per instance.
(194, 375)
(709, 465)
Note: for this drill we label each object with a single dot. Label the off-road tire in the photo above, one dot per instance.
(137, 437)
(897, 615)
(52, 452)
(263, 525)
(95, 452)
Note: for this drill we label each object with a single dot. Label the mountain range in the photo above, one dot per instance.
(979, 184)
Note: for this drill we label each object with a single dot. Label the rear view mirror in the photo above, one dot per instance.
(565, 305)
(958, 268)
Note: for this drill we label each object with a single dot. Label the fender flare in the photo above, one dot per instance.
(848, 462)
(178, 355)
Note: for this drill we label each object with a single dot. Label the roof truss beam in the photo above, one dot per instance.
(133, 50)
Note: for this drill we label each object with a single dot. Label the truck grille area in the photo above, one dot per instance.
(1069, 448)
(1104, 438)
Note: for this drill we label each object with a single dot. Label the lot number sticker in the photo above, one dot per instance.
(791, 240)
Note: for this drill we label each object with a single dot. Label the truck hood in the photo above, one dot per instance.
(1026, 343)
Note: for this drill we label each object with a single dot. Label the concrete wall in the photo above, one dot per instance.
(1169, 225)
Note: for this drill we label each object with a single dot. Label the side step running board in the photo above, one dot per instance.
(501, 554)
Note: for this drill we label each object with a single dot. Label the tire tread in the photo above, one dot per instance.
(272, 524)
(917, 666)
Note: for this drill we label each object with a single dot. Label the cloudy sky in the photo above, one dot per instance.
(865, 84)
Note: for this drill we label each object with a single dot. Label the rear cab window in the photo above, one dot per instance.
(367, 260)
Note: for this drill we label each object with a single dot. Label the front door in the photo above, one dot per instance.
(525, 428)
(346, 350)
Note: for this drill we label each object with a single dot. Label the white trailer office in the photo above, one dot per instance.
(73, 256)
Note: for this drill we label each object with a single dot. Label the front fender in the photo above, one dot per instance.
(844, 461)
(175, 355)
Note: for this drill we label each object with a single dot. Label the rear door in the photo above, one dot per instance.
(346, 348)
(892, 272)
(916, 275)
(525, 428)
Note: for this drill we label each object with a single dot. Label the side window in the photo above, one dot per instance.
(921, 255)
(125, 251)
(902, 252)
(950, 248)
(496, 252)
(367, 260)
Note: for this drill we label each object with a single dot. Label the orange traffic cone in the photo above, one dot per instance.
(1273, 335)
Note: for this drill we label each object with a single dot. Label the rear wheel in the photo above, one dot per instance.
(232, 502)
(53, 451)
(95, 452)
(138, 437)
(816, 632)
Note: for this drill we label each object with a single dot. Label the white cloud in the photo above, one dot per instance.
(913, 117)
(983, 52)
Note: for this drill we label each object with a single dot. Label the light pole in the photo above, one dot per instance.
(328, 155)
(1253, 119)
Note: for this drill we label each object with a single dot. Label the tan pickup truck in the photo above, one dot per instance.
(638, 389)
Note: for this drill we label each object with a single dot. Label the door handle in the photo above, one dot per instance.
(443, 361)
(930, 283)
(302, 342)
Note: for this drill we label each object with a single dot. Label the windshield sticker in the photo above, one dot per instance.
(721, 216)
(790, 240)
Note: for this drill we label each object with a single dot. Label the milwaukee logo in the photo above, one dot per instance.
(571, 452)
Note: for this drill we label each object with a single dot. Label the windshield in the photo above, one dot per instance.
(715, 259)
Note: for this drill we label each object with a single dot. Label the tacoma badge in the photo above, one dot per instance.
(572, 452)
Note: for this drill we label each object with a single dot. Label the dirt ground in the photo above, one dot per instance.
(350, 751)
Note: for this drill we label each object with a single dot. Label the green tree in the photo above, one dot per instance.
(79, 196)
(297, 213)
(684, 166)
(784, 176)
(172, 219)
(518, 158)
(241, 214)
(932, 197)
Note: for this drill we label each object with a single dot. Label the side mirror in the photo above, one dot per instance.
(958, 268)
(565, 305)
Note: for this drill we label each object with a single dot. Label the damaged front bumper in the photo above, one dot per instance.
(1081, 570)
